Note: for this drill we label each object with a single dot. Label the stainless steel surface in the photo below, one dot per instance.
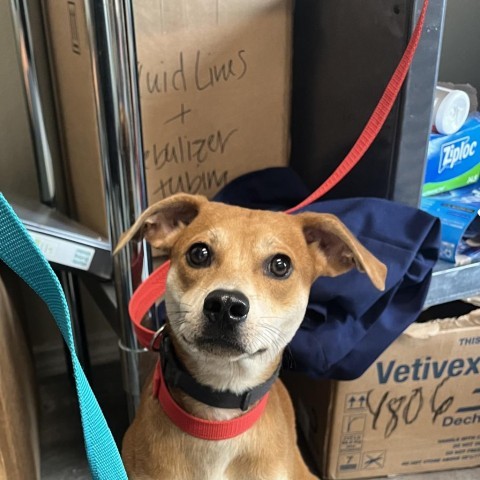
(111, 30)
(21, 24)
(415, 121)
(43, 220)
(451, 283)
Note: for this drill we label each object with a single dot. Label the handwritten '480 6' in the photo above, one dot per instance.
(407, 408)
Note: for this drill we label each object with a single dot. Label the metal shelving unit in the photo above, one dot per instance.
(63, 241)
(451, 283)
(67, 244)
(112, 40)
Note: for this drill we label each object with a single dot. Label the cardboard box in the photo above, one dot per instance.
(417, 409)
(214, 82)
(453, 161)
(19, 442)
(73, 80)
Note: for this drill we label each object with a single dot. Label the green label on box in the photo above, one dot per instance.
(466, 178)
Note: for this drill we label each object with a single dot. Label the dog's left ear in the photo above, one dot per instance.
(336, 250)
(160, 223)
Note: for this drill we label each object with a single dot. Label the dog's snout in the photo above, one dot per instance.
(230, 306)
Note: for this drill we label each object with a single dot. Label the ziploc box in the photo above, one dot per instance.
(416, 409)
(458, 211)
(453, 161)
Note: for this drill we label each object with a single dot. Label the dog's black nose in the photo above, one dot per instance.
(227, 306)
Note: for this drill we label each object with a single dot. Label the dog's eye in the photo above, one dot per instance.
(199, 255)
(280, 266)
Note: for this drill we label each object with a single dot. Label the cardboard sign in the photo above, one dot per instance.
(214, 84)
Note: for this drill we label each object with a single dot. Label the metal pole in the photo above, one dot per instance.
(72, 294)
(43, 157)
(113, 56)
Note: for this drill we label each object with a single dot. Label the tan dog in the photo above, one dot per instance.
(237, 292)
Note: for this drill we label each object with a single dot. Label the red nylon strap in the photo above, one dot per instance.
(154, 287)
(143, 299)
(377, 119)
(198, 427)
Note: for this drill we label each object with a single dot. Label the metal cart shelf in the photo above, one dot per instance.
(451, 283)
(63, 241)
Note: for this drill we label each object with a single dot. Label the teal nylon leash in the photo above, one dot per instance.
(19, 252)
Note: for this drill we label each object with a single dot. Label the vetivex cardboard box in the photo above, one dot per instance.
(417, 408)
(214, 83)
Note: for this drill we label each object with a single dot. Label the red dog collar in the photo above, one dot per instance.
(143, 299)
(198, 427)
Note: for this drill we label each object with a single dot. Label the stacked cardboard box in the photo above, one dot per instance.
(416, 409)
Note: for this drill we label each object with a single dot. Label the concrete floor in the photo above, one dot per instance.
(62, 451)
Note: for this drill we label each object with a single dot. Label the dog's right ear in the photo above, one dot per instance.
(160, 223)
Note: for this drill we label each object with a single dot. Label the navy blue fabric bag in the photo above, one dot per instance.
(348, 322)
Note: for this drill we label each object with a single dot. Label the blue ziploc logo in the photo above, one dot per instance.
(455, 151)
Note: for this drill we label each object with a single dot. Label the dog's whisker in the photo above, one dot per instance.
(273, 330)
(271, 337)
(183, 305)
(178, 320)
